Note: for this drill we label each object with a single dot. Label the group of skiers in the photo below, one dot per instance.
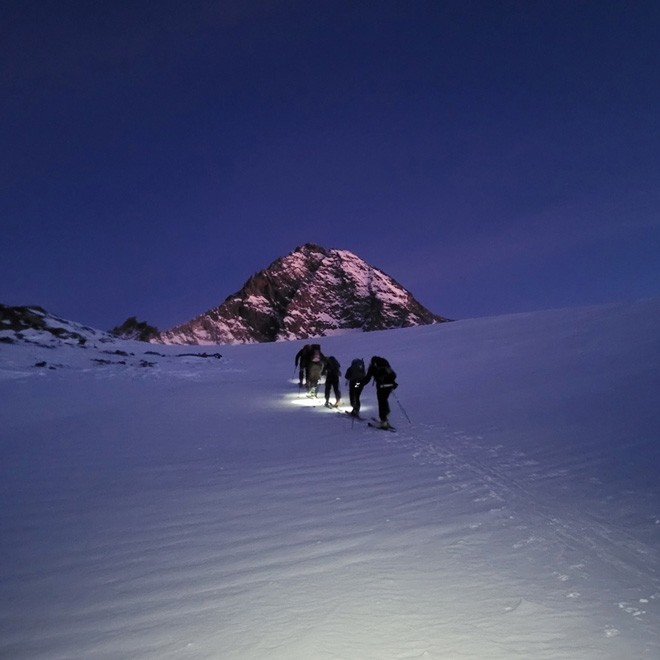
(312, 365)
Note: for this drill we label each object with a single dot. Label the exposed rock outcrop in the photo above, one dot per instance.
(311, 292)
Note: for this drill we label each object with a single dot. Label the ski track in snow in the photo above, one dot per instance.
(618, 550)
(574, 546)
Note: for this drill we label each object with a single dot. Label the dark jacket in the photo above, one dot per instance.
(331, 367)
(384, 376)
(303, 355)
(356, 371)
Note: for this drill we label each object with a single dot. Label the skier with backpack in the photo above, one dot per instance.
(385, 380)
(332, 371)
(314, 369)
(354, 376)
(301, 361)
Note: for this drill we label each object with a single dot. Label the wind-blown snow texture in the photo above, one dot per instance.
(201, 508)
(312, 292)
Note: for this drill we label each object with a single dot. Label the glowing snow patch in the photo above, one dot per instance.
(304, 401)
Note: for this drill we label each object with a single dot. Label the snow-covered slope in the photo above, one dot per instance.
(203, 508)
(312, 292)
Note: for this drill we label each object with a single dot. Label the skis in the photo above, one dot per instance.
(375, 424)
(354, 418)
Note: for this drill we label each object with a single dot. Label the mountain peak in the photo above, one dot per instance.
(311, 292)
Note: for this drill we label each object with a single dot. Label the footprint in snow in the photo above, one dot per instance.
(630, 609)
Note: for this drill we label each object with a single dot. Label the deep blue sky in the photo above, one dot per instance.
(493, 157)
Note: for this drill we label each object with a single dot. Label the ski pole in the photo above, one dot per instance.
(402, 408)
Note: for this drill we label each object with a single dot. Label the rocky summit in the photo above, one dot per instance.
(312, 292)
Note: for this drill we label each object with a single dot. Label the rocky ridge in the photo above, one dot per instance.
(34, 325)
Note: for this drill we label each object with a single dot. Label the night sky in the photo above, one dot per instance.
(493, 157)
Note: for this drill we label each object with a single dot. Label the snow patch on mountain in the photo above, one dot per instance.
(34, 325)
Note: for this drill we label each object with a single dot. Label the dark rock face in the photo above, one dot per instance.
(131, 328)
(309, 293)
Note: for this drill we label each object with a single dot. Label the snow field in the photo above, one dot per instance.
(204, 509)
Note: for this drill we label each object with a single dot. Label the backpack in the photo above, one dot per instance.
(357, 369)
(332, 366)
(383, 371)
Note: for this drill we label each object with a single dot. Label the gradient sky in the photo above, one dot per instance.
(493, 157)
